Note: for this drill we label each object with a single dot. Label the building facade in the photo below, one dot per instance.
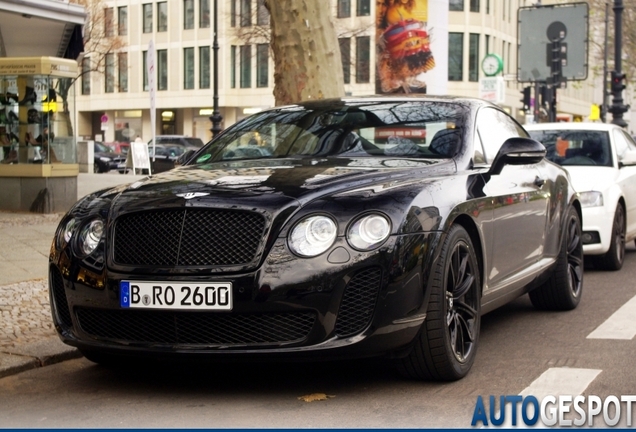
(115, 106)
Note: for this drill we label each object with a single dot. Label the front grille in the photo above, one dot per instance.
(56, 285)
(188, 237)
(358, 302)
(195, 328)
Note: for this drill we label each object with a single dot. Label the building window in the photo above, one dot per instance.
(456, 5)
(246, 13)
(345, 56)
(109, 23)
(110, 73)
(364, 8)
(86, 76)
(162, 69)
(473, 57)
(162, 16)
(262, 65)
(122, 20)
(487, 44)
(204, 13)
(455, 56)
(122, 65)
(474, 5)
(487, 6)
(262, 14)
(144, 72)
(363, 58)
(344, 8)
(188, 14)
(188, 68)
(246, 66)
(147, 11)
(204, 67)
(233, 13)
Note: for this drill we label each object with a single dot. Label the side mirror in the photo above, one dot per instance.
(628, 159)
(517, 151)
(184, 158)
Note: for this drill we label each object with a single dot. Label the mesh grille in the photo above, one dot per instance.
(358, 302)
(192, 237)
(195, 328)
(56, 285)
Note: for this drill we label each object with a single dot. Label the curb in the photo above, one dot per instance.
(34, 355)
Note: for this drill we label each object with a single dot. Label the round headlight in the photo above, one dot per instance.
(312, 236)
(90, 236)
(66, 233)
(369, 232)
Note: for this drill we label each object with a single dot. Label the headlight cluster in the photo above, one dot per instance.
(591, 199)
(315, 234)
(89, 235)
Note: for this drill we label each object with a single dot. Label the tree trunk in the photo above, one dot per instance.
(307, 62)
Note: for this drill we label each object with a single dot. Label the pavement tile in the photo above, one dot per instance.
(11, 364)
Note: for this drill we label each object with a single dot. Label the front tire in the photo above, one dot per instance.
(614, 257)
(446, 346)
(562, 291)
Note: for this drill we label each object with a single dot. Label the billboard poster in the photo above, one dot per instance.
(411, 46)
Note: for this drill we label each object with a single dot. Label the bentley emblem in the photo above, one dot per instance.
(190, 195)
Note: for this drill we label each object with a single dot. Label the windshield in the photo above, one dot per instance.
(429, 129)
(575, 147)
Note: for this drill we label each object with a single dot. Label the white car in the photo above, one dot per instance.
(601, 160)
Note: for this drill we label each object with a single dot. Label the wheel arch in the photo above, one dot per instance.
(466, 222)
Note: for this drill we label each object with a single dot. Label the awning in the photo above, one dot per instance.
(33, 28)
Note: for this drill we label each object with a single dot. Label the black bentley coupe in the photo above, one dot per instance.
(376, 226)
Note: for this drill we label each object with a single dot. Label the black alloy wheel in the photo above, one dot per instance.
(613, 259)
(563, 289)
(446, 346)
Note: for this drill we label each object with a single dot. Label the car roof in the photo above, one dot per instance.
(571, 126)
(413, 97)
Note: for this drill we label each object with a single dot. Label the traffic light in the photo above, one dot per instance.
(526, 98)
(618, 82)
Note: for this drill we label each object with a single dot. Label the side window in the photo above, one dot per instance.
(494, 128)
(620, 142)
(478, 156)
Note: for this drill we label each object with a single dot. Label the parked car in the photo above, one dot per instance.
(119, 147)
(379, 226)
(105, 159)
(601, 160)
(178, 139)
(169, 148)
(165, 156)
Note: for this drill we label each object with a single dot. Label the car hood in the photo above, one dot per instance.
(595, 178)
(277, 181)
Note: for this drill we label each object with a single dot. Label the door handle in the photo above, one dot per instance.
(538, 182)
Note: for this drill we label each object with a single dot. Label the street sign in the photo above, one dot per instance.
(492, 89)
(543, 29)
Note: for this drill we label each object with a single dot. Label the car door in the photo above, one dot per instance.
(520, 204)
(624, 143)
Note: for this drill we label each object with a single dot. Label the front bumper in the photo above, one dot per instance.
(598, 220)
(343, 303)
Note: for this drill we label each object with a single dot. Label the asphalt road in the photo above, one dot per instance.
(519, 348)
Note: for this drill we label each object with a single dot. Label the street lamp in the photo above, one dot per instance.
(216, 116)
(618, 107)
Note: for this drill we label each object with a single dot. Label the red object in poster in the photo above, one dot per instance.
(406, 38)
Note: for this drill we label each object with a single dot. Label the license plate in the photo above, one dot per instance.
(216, 296)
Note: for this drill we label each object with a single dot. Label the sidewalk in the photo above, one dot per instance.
(27, 337)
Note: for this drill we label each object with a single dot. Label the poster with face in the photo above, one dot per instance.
(409, 45)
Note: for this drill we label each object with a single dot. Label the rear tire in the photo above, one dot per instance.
(562, 291)
(614, 257)
(446, 346)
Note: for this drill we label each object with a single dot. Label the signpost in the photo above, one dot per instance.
(152, 87)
